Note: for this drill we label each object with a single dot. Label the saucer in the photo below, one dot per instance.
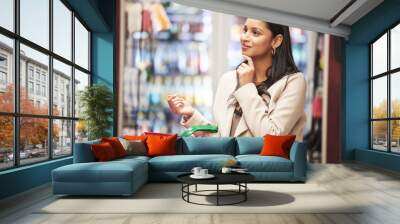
(208, 176)
(240, 171)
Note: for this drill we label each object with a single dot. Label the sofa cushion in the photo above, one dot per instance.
(111, 171)
(142, 138)
(116, 145)
(257, 163)
(277, 145)
(160, 145)
(148, 133)
(249, 145)
(134, 147)
(83, 152)
(185, 163)
(103, 152)
(131, 158)
(206, 145)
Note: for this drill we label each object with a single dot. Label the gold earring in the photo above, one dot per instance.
(273, 51)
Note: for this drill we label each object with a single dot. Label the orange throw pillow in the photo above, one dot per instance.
(277, 145)
(157, 133)
(135, 137)
(159, 145)
(116, 145)
(103, 151)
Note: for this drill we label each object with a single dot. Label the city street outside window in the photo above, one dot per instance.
(385, 94)
(36, 91)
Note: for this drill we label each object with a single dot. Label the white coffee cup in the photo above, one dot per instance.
(226, 170)
(196, 170)
(203, 172)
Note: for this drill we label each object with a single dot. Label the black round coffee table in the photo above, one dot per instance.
(238, 179)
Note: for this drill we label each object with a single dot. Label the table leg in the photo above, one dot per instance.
(245, 193)
(217, 194)
(196, 188)
(188, 189)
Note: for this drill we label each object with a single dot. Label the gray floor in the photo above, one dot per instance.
(379, 189)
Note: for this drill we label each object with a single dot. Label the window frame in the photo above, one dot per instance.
(388, 74)
(16, 114)
(3, 71)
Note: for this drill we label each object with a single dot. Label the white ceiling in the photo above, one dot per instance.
(314, 15)
(321, 9)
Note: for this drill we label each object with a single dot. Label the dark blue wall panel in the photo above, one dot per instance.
(356, 82)
(379, 159)
(24, 178)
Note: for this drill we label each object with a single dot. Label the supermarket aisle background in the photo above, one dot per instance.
(171, 48)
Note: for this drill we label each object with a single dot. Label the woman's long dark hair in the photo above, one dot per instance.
(282, 62)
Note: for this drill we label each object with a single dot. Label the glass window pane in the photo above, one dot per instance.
(62, 29)
(35, 21)
(62, 138)
(6, 74)
(395, 138)
(81, 131)
(395, 94)
(379, 135)
(379, 98)
(34, 80)
(33, 140)
(7, 14)
(81, 81)
(6, 142)
(379, 55)
(62, 89)
(81, 45)
(395, 47)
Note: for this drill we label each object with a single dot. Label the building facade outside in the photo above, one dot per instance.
(34, 82)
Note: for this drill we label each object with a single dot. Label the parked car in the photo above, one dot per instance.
(57, 152)
(10, 156)
(22, 155)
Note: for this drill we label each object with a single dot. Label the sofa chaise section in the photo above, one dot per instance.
(87, 177)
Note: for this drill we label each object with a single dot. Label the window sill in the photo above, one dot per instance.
(26, 167)
(381, 159)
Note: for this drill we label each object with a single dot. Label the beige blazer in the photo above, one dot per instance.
(282, 114)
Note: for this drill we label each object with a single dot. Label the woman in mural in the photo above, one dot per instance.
(264, 95)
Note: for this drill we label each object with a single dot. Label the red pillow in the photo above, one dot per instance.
(103, 151)
(135, 137)
(277, 145)
(157, 133)
(116, 145)
(159, 145)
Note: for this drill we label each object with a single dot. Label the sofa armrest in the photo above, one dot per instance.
(298, 157)
(83, 152)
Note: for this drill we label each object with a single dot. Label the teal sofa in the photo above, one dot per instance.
(125, 176)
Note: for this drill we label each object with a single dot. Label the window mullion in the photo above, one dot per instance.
(50, 81)
(389, 149)
(19, 43)
(371, 89)
(16, 85)
(73, 82)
